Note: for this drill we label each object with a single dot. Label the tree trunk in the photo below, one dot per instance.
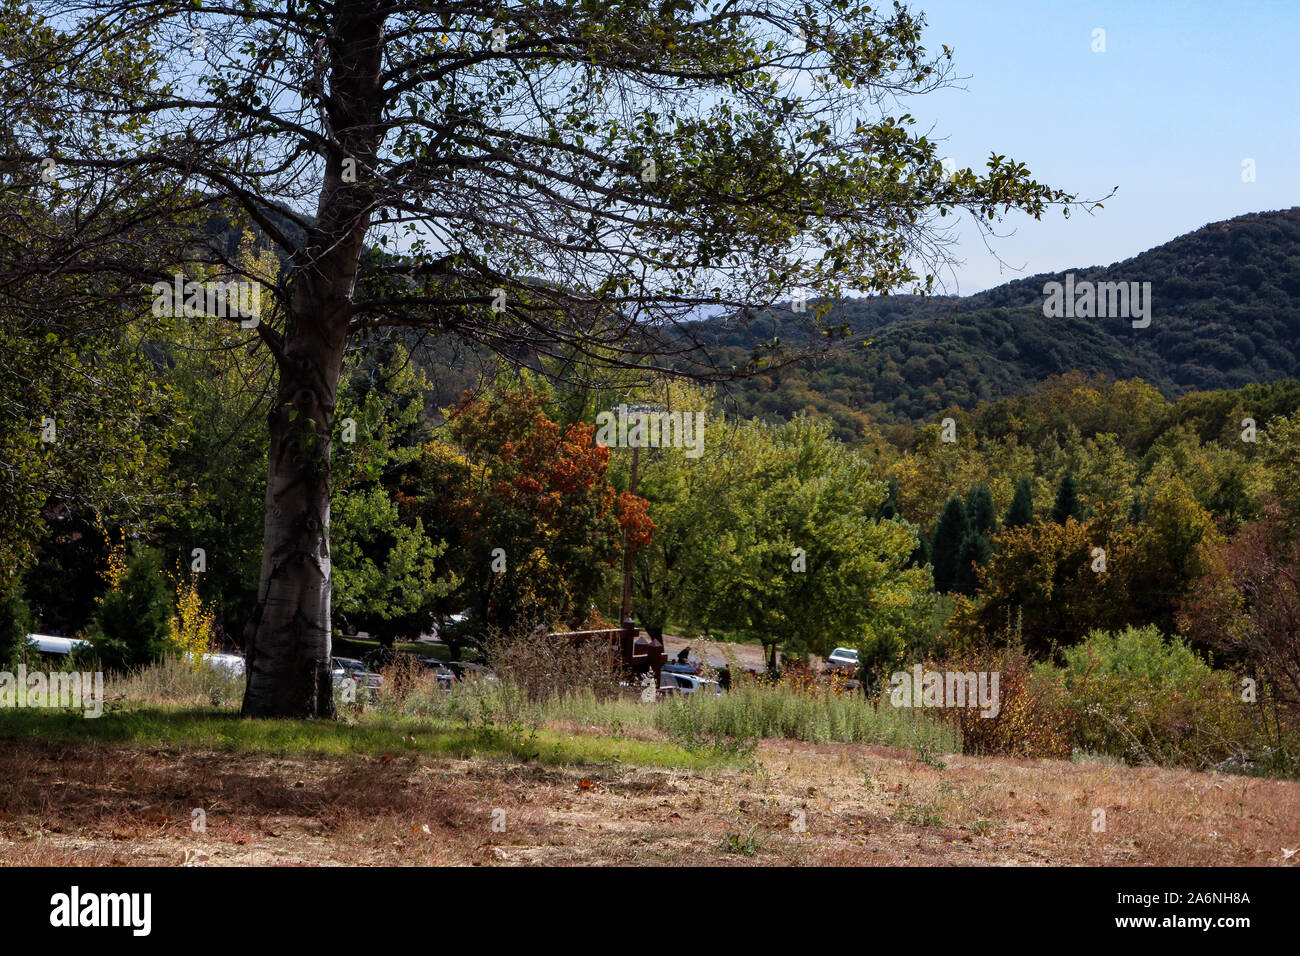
(288, 649)
(287, 643)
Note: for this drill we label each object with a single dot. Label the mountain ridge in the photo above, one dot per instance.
(1226, 313)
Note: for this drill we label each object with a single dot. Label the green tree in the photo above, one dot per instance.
(1168, 558)
(945, 544)
(84, 429)
(802, 562)
(1067, 500)
(980, 518)
(527, 177)
(386, 574)
(130, 625)
(975, 547)
(15, 624)
(971, 556)
(1021, 511)
(684, 492)
(890, 508)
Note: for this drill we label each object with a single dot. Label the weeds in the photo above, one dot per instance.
(741, 843)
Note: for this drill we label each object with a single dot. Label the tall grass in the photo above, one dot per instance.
(755, 710)
(176, 680)
(749, 712)
(508, 711)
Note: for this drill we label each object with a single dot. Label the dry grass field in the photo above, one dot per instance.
(798, 804)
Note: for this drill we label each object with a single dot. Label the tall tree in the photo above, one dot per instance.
(1067, 504)
(532, 522)
(1021, 510)
(945, 545)
(975, 545)
(801, 561)
(535, 178)
(979, 511)
(971, 556)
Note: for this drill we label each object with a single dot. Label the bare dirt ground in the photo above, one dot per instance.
(747, 655)
(799, 804)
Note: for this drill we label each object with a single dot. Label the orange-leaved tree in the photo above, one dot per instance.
(531, 520)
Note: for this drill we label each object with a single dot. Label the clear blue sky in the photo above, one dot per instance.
(1185, 91)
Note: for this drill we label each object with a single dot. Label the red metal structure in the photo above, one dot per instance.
(636, 653)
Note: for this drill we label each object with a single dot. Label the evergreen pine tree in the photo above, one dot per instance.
(1067, 500)
(975, 546)
(973, 554)
(1021, 511)
(980, 518)
(945, 546)
(920, 556)
(131, 622)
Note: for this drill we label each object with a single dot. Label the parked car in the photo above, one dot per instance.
(345, 667)
(843, 659)
(446, 676)
(691, 668)
(672, 683)
(60, 646)
(232, 664)
(469, 670)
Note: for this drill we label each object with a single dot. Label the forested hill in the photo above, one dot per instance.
(1225, 313)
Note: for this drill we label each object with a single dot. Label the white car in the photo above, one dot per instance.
(49, 644)
(232, 664)
(843, 658)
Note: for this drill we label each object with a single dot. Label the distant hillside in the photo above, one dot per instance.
(1226, 313)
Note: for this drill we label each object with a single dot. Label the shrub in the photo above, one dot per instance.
(1145, 699)
(132, 620)
(1033, 718)
(544, 668)
(192, 629)
(797, 710)
(15, 623)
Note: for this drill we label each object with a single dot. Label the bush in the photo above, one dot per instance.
(1145, 699)
(1033, 719)
(545, 669)
(131, 623)
(15, 624)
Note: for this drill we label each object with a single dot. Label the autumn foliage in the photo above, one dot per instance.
(531, 520)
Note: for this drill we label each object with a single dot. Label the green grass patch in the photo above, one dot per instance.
(368, 735)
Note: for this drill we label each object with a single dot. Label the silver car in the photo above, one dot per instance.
(670, 683)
